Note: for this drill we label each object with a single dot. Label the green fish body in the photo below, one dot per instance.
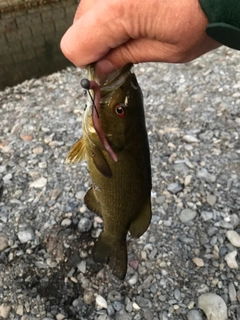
(121, 189)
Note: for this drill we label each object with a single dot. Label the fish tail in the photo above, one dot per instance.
(112, 252)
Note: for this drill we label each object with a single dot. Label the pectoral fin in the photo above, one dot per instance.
(77, 153)
(92, 203)
(101, 163)
(141, 223)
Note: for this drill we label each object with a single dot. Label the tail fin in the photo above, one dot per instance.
(113, 252)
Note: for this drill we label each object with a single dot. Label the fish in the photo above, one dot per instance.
(115, 145)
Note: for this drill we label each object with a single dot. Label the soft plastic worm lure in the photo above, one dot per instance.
(92, 85)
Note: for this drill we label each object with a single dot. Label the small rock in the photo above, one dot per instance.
(55, 193)
(122, 315)
(238, 296)
(84, 225)
(206, 215)
(82, 266)
(42, 165)
(234, 238)
(16, 129)
(234, 220)
(60, 316)
(66, 222)
(232, 292)
(187, 180)
(133, 280)
(190, 139)
(80, 195)
(211, 231)
(135, 306)
(148, 314)
(187, 215)
(117, 305)
(49, 138)
(103, 317)
(101, 303)
(213, 306)
(75, 303)
(129, 305)
(37, 150)
(19, 310)
(39, 183)
(110, 310)
(174, 188)
(203, 288)
(177, 294)
(26, 137)
(88, 296)
(198, 262)
(230, 258)
(114, 295)
(26, 235)
(205, 175)
(223, 224)
(194, 315)
(211, 200)
(5, 311)
(7, 178)
(3, 242)
(163, 315)
(143, 302)
(160, 200)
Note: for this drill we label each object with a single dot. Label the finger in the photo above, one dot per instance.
(147, 50)
(93, 35)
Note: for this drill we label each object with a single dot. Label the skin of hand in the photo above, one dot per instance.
(116, 32)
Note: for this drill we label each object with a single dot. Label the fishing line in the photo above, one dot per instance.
(87, 85)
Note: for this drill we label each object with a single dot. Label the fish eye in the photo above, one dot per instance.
(120, 110)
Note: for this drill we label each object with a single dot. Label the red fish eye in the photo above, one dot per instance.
(120, 110)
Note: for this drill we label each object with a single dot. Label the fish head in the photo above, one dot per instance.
(120, 98)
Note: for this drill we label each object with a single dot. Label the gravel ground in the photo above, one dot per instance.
(186, 266)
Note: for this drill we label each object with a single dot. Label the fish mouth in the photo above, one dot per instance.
(99, 90)
(109, 82)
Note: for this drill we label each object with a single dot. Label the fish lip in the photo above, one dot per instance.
(111, 81)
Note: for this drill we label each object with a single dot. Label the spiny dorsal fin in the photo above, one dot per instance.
(77, 153)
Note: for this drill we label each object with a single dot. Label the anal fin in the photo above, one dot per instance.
(141, 223)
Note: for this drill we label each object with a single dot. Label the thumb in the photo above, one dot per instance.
(93, 35)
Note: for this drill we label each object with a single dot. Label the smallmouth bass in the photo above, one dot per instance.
(115, 145)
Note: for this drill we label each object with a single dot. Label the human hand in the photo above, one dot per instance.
(116, 32)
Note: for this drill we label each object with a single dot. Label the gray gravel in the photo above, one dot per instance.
(192, 246)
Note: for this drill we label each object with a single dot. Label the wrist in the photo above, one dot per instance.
(224, 21)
